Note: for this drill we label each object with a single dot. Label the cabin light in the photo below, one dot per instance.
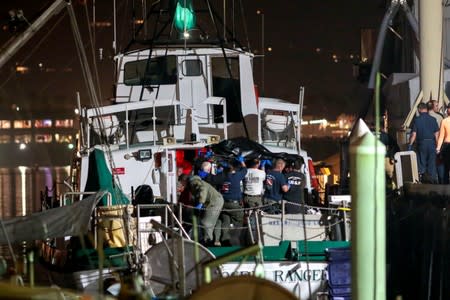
(22, 146)
(22, 69)
(144, 154)
(184, 18)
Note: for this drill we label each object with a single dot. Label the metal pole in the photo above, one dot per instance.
(114, 45)
(368, 218)
(301, 98)
(263, 50)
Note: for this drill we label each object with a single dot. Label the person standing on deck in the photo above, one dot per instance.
(207, 197)
(275, 185)
(433, 110)
(425, 132)
(232, 214)
(254, 184)
(443, 144)
(297, 181)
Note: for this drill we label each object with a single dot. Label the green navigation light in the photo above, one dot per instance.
(184, 15)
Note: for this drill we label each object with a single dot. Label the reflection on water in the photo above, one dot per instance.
(21, 188)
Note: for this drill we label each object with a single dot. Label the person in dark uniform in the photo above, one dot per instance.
(425, 133)
(275, 185)
(232, 196)
(297, 182)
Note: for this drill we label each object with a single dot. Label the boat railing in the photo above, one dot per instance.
(143, 230)
(104, 119)
(65, 201)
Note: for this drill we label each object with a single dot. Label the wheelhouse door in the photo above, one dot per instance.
(193, 83)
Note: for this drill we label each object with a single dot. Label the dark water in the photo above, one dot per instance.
(21, 187)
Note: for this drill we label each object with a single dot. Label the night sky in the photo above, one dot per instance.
(294, 29)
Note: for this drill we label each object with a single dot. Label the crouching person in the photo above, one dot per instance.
(210, 201)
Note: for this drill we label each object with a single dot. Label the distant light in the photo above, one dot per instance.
(319, 121)
(259, 12)
(17, 108)
(22, 69)
(336, 60)
(22, 146)
(76, 111)
(269, 49)
(318, 50)
(137, 22)
(108, 24)
(70, 146)
(186, 35)
(352, 56)
(334, 56)
(40, 65)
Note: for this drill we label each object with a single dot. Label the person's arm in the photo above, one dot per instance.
(284, 185)
(412, 139)
(202, 193)
(440, 137)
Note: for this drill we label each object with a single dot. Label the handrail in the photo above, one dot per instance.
(108, 197)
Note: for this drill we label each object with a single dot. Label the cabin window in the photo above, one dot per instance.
(226, 84)
(63, 138)
(5, 139)
(5, 124)
(66, 123)
(43, 138)
(22, 138)
(22, 124)
(156, 71)
(192, 67)
(42, 123)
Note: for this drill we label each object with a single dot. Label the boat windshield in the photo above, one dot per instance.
(156, 71)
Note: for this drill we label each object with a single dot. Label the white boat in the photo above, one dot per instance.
(172, 100)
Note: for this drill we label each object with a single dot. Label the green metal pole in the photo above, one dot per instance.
(368, 218)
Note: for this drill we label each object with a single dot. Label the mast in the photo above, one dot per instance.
(431, 50)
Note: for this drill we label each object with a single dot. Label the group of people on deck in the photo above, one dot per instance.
(430, 132)
(219, 194)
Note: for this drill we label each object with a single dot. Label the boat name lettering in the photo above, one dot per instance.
(286, 276)
(294, 223)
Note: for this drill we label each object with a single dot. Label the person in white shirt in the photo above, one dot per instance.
(253, 184)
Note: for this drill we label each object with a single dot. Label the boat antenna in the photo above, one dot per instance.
(227, 63)
(91, 34)
(114, 45)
